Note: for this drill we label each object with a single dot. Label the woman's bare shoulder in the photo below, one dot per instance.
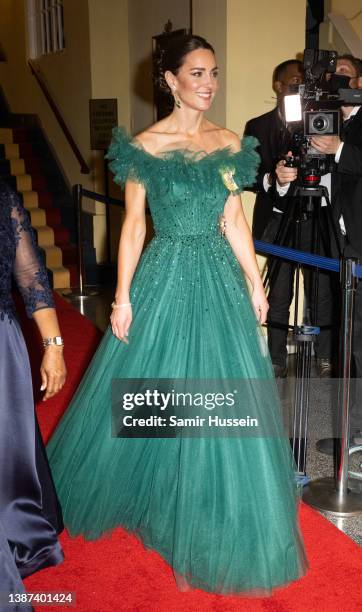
(231, 139)
(225, 137)
(152, 138)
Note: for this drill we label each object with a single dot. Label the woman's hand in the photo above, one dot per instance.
(121, 319)
(260, 302)
(53, 371)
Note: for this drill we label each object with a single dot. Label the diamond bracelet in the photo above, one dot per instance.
(57, 341)
(114, 305)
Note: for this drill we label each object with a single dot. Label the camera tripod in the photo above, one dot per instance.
(305, 205)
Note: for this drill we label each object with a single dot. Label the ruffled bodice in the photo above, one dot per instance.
(186, 191)
(19, 257)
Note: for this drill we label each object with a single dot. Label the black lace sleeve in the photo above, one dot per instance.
(29, 272)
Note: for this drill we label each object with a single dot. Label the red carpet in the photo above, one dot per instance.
(117, 573)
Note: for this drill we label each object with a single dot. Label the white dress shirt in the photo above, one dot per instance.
(326, 179)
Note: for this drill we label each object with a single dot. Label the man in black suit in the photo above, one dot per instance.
(274, 140)
(347, 207)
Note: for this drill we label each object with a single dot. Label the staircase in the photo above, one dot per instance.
(26, 165)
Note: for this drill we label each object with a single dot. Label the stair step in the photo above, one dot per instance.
(38, 182)
(24, 183)
(33, 165)
(30, 199)
(53, 216)
(17, 167)
(25, 149)
(20, 134)
(70, 254)
(61, 235)
(45, 199)
(6, 136)
(49, 218)
(45, 235)
(53, 257)
(37, 216)
(26, 166)
(11, 151)
(61, 277)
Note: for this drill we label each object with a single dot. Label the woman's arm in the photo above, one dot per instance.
(130, 248)
(53, 371)
(239, 236)
(32, 281)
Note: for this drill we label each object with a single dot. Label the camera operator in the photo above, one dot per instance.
(273, 136)
(273, 196)
(345, 186)
(347, 205)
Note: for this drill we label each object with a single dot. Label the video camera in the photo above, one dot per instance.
(314, 109)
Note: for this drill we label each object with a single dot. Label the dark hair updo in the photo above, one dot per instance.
(172, 57)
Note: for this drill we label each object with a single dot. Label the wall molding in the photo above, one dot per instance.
(347, 33)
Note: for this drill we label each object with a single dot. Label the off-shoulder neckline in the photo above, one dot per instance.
(184, 153)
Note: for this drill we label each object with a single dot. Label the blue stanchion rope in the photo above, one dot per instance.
(309, 259)
(266, 248)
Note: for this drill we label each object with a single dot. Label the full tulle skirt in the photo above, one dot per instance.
(222, 510)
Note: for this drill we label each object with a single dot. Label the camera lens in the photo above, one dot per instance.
(320, 123)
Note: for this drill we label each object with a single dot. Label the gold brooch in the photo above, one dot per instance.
(227, 175)
(222, 225)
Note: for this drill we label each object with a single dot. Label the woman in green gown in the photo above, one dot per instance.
(221, 509)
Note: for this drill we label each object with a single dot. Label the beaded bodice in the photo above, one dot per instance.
(19, 256)
(186, 191)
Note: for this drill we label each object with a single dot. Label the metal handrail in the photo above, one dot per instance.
(78, 193)
(84, 168)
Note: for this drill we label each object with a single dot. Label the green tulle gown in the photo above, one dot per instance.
(220, 510)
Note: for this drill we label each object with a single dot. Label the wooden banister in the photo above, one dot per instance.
(84, 168)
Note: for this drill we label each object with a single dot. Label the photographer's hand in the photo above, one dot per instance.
(285, 174)
(326, 144)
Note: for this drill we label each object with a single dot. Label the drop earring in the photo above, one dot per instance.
(177, 100)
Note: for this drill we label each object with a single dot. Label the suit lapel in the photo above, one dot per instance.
(278, 140)
(353, 130)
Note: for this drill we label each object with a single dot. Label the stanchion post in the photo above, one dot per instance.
(77, 198)
(348, 287)
(336, 495)
(82, 293)
(108, 210)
